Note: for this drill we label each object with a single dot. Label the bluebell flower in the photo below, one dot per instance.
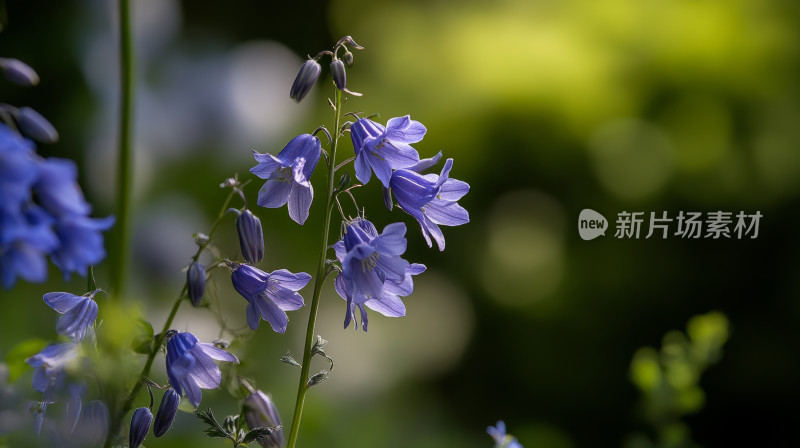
(306, 77)
(501, 439)
(49, 367)
(431, 200)
(94, 423)
(269, 294)
(25, 239)
(251, 236)
(260, 412)
(78, 313)
(196, 282)
(373, 273)
(190, 365)
(288, 176)
(166, 412)
(140, 424)
(19, 72)
(81, 243)
(383, 149)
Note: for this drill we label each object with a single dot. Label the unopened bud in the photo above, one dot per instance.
(35, 126)
(196, 282)
(19, 72)
(339, 75)
(251, 237)
(166, 412)
(348, 58)
(260, 412)
(140, 424)
(387, 198)
(308, 75)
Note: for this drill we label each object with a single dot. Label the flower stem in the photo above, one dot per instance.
(302, 386)
(159, 340)
(119, 255)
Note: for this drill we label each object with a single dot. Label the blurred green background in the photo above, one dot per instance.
(548, 107)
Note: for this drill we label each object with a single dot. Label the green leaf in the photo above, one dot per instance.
(214, 429)
(258, 433)
(17, 356)
(144, 339)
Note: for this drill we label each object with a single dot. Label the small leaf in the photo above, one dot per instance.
(317, 378)
(259, 433)
(289, 360)
(144, 339)
(214, 429)
(229, 424)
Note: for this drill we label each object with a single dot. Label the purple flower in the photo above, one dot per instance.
(260, 412)
(49, 366)
(431, 200)
(196, 282)
(306, 77)
(81, 243)
(269, 295)
(382, 149)
(251, 236)
(190, 365)
(501, 439)
(166, 412)
(78, 312)
(94, 423)
(373, 273)
(140, 424)
(288, 176)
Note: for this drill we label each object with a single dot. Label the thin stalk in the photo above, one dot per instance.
(119, 255)
(302, 386)
(159, 341)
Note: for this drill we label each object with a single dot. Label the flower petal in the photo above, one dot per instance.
(286, 279)
(453, 190)
(363, 170)
(404, 129)
(216, 352)
(300, 200)
(271, 313)
(286, 300)
(392, 240)
(388, 304)
(253, 318)
(447, 213)
(267, 165)
(275, 192)
(62, 301)
(398, 155)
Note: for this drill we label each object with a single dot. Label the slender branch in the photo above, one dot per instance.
(116, 423)
(302, 386)
(119, 255)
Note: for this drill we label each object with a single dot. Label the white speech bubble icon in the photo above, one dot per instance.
(591, 224)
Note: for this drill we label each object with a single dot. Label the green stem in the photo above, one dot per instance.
(159, 341)
(119, 256)
(302, 386)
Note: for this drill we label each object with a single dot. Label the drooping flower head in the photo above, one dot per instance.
(77, 313)
(49, 367)
(431, 200)
(373, 272)
(269, 294)
(288, 176)
(383, 149)
(190, 365)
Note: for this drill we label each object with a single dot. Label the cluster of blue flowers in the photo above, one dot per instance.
(42, 209)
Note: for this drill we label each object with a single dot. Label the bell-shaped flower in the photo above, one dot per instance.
(431, 200)
(269, 294)
(501, 439)
(49, 365)
(77, 312)
(140, 424)
(94, 423)
(196, 282)
(383, 149)
(288, 176)
(81, 243)
(190, 365)
(373, 273)
(306, 77)
(251, 236)
(166, 412)
(260, 412)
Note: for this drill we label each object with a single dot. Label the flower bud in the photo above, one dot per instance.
(196, 281)
(260, 412)
(35, 126)
(251, 237)
(140, 424)
(338, 74)
(348, 58)
(19, 72)
(166, 412)
(387, 198)
(308, 75)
